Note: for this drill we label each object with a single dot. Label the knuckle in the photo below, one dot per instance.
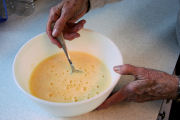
(131, 88)
(129, 68)
(52, 10)
(141, 70)
(127, 65)
(57, 26)
(63, 20)
(68, 4)
(65, 13)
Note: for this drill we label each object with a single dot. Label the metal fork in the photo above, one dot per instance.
(61, 40)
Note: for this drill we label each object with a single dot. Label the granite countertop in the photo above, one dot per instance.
(144, 31)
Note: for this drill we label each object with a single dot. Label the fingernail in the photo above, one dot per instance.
(54, 33)
(116, 68)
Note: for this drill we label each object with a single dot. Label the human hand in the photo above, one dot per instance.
(149, 85)
(64, 15)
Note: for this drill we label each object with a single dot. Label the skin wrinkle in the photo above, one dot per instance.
(67, 11)
(160, 89)
(148, 85)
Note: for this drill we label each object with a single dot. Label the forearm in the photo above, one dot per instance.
(100, 3)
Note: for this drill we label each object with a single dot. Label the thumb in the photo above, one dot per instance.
(115, 98)
(125, 69)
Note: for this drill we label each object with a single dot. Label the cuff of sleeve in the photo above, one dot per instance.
(96, 3)
(178, 91)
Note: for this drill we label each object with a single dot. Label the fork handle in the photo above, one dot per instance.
(61, 40)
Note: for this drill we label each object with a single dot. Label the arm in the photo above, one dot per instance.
(65, 15)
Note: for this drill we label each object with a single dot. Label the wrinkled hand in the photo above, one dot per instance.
(149, 85)
(64, 15)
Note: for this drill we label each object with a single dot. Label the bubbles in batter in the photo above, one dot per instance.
(52, 79)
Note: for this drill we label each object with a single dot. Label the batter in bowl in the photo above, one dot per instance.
(52, 80)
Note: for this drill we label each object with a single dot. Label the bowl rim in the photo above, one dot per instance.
(112, 85)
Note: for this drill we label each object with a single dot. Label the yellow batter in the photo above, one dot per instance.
(52, 79)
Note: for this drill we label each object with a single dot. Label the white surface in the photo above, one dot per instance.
(40, 47)
(144, 31)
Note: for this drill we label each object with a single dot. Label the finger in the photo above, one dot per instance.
(75, 27)
(78, 16)
(49, 33)
(72, 24)
(145, 98)
(48, 27)
(71, 36)
(125, 69)
(60, 24)
(129, 92)
(54, 15)
(54, 41)
(115, 98)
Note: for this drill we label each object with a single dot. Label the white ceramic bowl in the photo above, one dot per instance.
(40, 47)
